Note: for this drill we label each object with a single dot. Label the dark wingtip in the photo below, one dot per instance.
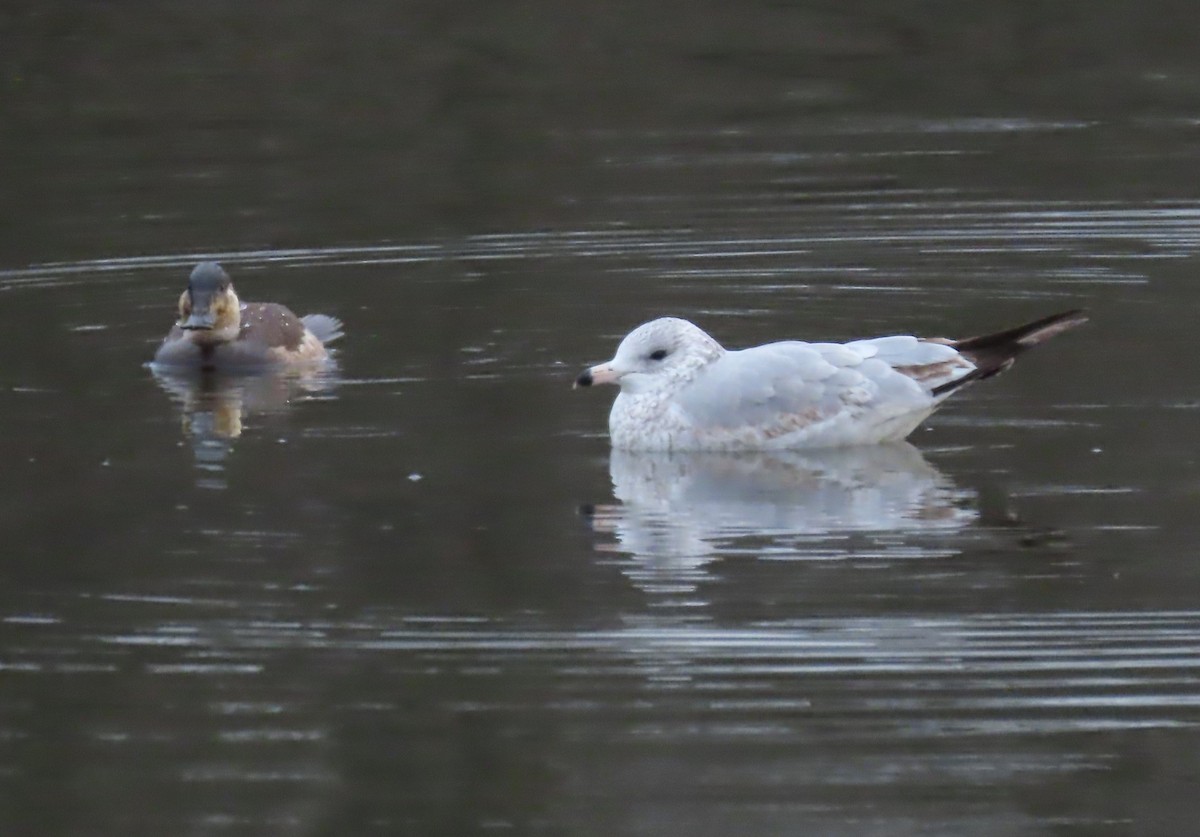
(994, 353)
(1024, 336)
(1055, 324)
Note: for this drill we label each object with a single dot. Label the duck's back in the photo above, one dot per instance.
(271, 325)
(271, 332)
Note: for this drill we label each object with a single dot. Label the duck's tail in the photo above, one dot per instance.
(993, 353)
(324, 327)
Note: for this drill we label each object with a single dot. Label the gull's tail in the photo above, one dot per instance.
(993, 353)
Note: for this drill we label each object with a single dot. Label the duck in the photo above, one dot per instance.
(218, 332)
(682, 390)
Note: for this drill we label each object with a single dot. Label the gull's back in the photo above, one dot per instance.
(792, 393)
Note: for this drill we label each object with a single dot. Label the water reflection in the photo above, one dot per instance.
(215, 407)
(680, 511)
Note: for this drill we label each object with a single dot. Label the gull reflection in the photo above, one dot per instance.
(215, 407)
(678, 512)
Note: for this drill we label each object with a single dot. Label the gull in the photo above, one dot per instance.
(681, 390)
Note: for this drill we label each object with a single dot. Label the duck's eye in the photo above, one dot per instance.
(658, 354)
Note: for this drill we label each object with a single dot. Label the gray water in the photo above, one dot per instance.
(419, 595)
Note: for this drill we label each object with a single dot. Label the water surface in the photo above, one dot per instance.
(420, 595)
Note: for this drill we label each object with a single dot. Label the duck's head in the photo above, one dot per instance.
(209, 309)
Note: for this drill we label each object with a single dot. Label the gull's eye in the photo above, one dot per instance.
(658, 354)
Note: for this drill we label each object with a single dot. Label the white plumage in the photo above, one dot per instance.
(680, 390)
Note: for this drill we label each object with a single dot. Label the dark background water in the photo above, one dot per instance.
(419, 596)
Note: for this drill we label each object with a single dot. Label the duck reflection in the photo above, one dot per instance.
(215, 406)
(680, 511)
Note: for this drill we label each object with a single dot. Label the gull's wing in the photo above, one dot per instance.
(931, 363)
(785, 387)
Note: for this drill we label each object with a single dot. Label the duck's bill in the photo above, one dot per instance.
(198, 322)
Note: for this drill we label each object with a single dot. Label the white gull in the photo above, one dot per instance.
(681, 390)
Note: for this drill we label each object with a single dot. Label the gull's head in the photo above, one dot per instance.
(663, 352)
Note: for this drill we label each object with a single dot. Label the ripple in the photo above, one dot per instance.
(994, 673)
(933, 224)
